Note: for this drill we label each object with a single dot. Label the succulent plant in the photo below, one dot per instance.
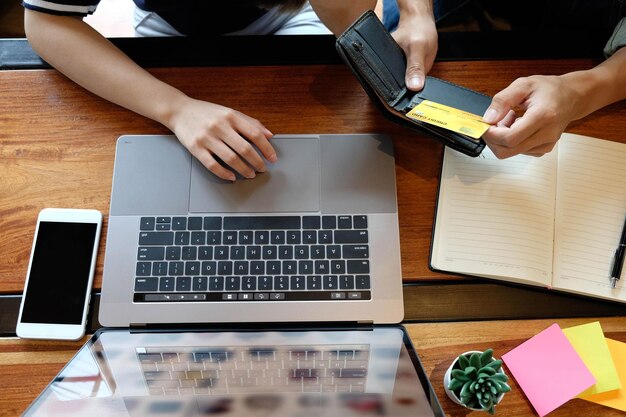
(477, 380)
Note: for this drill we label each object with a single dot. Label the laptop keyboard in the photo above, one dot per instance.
(252, 258)
(254, 369)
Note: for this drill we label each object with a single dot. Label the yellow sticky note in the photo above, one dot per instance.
(590, 344)
(449, 118)
(616, 398)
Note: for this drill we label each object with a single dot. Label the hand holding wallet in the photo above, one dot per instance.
(380, 65)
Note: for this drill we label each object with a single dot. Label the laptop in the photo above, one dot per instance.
(196, 328)
(324, 372)
(313, 240)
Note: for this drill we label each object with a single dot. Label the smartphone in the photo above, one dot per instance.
(60, 274)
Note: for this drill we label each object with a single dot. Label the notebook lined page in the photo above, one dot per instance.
(591, 207)
(496, 218)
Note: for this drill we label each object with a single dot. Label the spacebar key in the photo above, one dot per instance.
(261, 222)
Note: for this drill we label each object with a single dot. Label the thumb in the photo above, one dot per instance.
(512, 96)
(415, 71)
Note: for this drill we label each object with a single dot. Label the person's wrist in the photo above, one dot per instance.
(584, 88)
(171, 108)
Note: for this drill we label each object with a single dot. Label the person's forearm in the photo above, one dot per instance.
(83, 55)
(416, 8)
(600, 86)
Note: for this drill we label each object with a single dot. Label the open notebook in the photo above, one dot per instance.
(553, 221)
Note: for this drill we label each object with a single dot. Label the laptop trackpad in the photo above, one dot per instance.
(290, 185)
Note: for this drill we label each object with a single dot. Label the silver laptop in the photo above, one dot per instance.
(306, 373)
(313, 239)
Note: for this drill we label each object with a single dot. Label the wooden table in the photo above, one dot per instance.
(57, 144)
(26, 367)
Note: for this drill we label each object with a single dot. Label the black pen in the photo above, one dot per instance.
(618, 259)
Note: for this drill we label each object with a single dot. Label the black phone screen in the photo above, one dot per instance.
(59, 273)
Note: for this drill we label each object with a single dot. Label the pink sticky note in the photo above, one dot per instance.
(548, 370)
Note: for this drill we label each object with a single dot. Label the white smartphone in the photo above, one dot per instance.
(60, 274)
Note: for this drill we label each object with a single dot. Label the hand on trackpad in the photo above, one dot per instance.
(291, 185)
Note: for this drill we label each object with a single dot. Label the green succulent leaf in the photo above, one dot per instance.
(455, 384)
(459, 374)
(496, 365)
(475, 360)
(486, 357)
(486, 371)
(463, 361)
(499, 377)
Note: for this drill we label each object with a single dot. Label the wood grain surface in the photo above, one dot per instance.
(57, 141)
(26, 367)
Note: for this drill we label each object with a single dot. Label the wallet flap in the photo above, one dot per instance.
(379, 64)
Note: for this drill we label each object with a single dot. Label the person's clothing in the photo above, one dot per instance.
(301, 22)
(199, 17)
(617, 40)
(600, 16)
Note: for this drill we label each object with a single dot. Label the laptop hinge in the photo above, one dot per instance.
(167, 328)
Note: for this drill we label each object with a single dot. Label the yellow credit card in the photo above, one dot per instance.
(449, 118)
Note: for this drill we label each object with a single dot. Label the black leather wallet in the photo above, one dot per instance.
(380, 65)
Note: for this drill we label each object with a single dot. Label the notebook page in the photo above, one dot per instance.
(495, 217)
(591, 207)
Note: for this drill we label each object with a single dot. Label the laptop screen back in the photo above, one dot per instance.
(282, 373)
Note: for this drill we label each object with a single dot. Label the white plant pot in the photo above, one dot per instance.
(452, 395)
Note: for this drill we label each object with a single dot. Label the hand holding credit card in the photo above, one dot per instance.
(449, 118)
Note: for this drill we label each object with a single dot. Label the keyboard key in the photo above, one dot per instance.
(172, 253)
(314, 282)
(146, 284)
(305, 267)
(147, 223)
(346, 282)
(285, 252)
(166, 284)
(351, 236)
(322, 267)
(163, 226)
(237, 252)
(242, 268)
(212, 223)
(293, 237)
(253, 252)
(311, 222)
(333, 251)
(265, 283)
(338, 267)
(261, 238)
(290, 267)
(329, 222)
(150, 253)
(261, 222)
(230, 238)
(344, 222)
(309, 237)
(360, 222)
(179, 223)
(325, 236)
(246, 237)
(330, 282)
(221, 252)
(213, 238)
(318, 252)
(232, 283)
(297, 283)
(205, 253)
(189, 253)
(273, 268)
(159, 268)
(175, 268)
(198, 238)
(302, 252)
(224, 268)
(156, 238)
(208, 268)
(199, 283)
(257, 268)
(163, 219)
(281, 283)
(277, 237)
(358, 267)
(248, 283)
(362, 282)
(192, 268)
(183, 284)
(194, 223)
(216, 283)
(270, 252)
(355, 251)
(144, 269)
(181, 238)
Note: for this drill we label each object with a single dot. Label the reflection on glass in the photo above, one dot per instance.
(291, 374)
